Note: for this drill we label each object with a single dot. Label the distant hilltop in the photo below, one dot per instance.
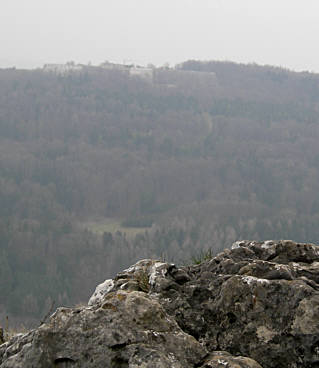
(162, 75)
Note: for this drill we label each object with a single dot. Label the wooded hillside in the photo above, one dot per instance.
(191, 164)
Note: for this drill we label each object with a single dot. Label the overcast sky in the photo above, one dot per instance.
(276, 32)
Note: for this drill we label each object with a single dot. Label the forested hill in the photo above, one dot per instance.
(167, 166)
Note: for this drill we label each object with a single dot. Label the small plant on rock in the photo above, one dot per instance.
(203, 256)
(143, 281)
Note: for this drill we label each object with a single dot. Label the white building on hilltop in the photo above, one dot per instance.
(62, 68)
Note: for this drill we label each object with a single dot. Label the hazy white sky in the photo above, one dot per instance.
(276, 32)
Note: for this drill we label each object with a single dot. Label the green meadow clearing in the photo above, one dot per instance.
(111, 225)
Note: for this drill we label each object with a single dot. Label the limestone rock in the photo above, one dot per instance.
(220, 359)
(100, 291)
(128, 329)
(254, 305)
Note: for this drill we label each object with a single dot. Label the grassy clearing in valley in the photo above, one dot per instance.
(110, 225)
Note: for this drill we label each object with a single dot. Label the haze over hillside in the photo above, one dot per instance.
(102, 166)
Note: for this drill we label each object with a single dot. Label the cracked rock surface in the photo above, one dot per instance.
(254, 305)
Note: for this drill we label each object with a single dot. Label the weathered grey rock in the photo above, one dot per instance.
(128, 329)
(255, 305)
(220, 359)
(100, 291)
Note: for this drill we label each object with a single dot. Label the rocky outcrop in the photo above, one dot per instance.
(254, 305)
